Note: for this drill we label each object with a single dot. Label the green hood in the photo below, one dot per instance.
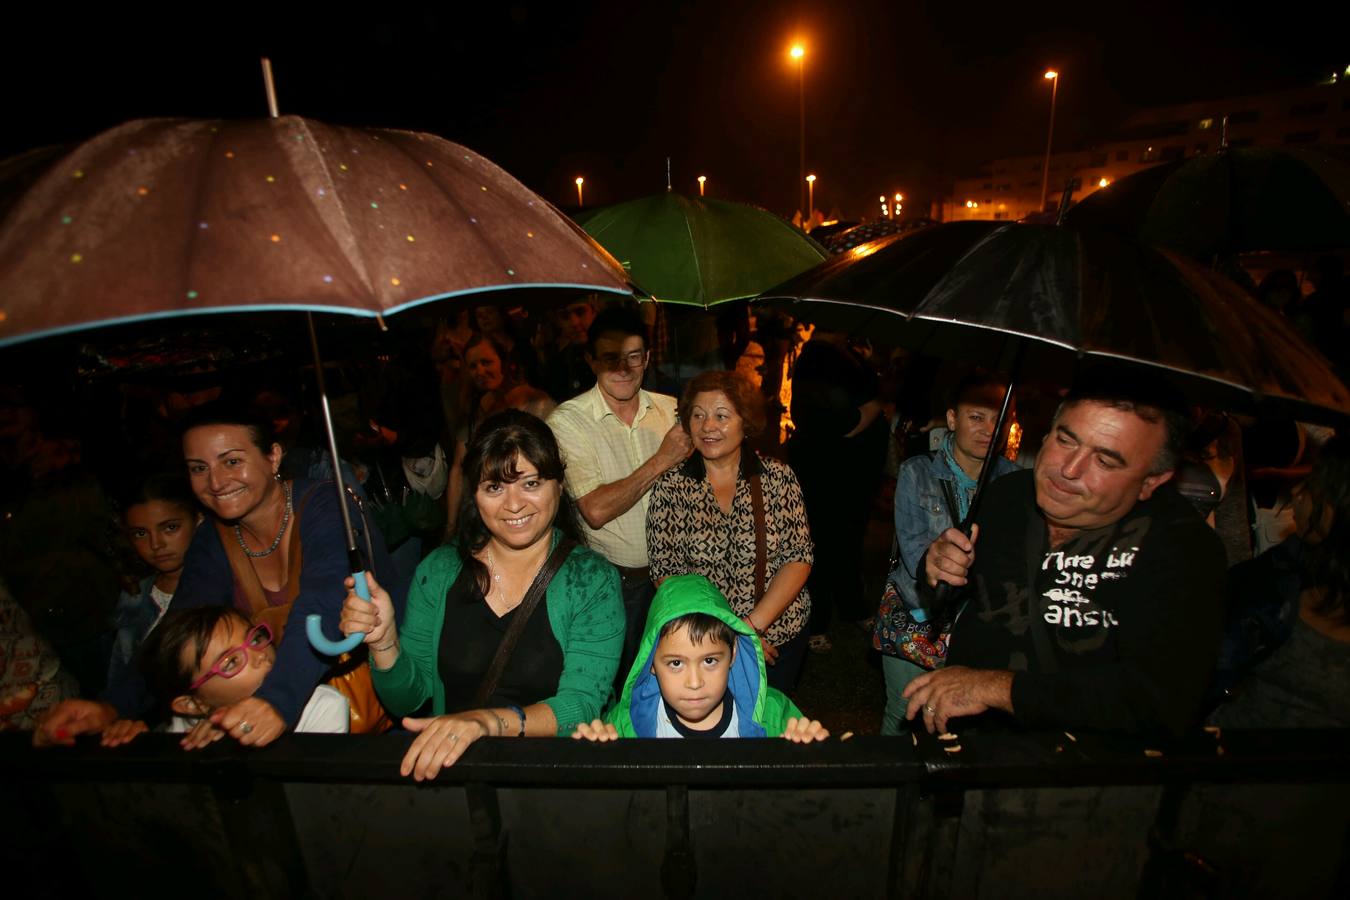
(767, 708)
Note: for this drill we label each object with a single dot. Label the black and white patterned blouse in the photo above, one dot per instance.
(687, 532)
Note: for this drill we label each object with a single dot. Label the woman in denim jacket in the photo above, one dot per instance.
(923, 510)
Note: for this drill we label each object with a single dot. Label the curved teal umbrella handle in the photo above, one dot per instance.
(314, 626)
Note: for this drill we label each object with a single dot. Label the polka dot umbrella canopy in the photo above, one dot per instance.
(162, 217)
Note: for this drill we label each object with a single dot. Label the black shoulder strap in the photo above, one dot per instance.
(517, 627)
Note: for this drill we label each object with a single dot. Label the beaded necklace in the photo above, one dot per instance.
(285, 520)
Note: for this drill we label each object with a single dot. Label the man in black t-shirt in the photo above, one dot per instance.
(1094, 598)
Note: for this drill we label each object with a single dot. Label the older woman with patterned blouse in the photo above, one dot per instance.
(702, 517)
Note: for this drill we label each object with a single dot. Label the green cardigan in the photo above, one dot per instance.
(585, 610)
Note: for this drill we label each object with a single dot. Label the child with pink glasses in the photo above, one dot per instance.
(197, 660)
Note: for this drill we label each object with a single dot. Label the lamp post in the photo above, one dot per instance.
(810, 196)
(702, 179)
(798, 53)
(1053, 76)
(580, 182)
(898, 197)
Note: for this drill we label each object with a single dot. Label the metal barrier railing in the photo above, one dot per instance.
(330, 816)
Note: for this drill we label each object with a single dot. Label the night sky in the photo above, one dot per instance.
(899, 96)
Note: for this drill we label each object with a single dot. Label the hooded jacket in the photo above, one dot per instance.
(763, 711)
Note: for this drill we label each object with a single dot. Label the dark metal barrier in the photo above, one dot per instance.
(1241, 814)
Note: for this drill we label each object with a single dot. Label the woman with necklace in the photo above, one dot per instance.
(274, 549)
(491, 663)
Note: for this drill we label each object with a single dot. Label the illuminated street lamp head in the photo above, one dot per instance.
(899, 197)
(1051, 74)
(797, 52)
(1103, 182)
(702, 178)
(811, 179)
(580, 181)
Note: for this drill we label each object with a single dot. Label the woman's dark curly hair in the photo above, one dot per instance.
(1326, 557)
(492, 456)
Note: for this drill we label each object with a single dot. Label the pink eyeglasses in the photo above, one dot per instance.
(232, 661)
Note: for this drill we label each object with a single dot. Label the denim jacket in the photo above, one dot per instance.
(135, 615)
(921, 514)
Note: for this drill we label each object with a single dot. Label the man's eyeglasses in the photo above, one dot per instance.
(232, 661)
(635, 360)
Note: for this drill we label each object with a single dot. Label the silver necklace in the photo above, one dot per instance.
(495, 576)
(285, 520)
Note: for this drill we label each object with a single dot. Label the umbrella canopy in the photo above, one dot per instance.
(698, 251)
(164, 217)
(871, 231)
(1071, 294)
(1234, 201)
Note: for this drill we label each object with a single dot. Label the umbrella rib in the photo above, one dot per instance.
(698, 268)
(362, 269)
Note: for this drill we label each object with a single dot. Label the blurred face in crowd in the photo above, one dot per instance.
(230, 475)
(574, 320)
(619, 362)
(485, 366)
(488, 318)
(1094, 465)
(715, 425)
(160, 533)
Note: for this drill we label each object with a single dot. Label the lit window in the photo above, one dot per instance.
(1205, 124)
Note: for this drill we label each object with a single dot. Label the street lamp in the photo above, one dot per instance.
(1053, 76)
(701, 180)
(798, 54)
(580, 182)
(810, 196)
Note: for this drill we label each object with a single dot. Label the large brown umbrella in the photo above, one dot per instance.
(164, 217)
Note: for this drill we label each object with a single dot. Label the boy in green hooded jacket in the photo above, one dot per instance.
(699, 673)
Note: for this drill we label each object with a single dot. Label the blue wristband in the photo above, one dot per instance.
(520, 712)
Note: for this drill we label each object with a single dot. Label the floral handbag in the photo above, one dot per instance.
(897, 632)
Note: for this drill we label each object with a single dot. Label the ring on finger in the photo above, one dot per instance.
(245, 728)
(454, 737)
(930, 709)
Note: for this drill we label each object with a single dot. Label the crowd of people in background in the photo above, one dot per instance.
(686, 539)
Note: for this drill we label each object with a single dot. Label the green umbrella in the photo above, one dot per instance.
(698, 251)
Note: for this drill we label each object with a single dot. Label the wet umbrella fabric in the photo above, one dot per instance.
(164, 217)
(698, 251)
(960, 290)
(1235, 201)
(871, 231)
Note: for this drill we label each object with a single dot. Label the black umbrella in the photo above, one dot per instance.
(1234, 201)
(960, 290)
(1052, 296)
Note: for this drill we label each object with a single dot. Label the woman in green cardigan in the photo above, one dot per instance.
(463, 599)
